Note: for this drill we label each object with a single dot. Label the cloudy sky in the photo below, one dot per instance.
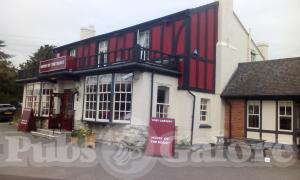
(27, 24)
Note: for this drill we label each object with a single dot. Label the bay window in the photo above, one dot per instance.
(253, 114)
(99, 105)
(285, 115)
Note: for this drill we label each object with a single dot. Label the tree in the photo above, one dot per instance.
(10, 91)
(3, 55)
(44, 52)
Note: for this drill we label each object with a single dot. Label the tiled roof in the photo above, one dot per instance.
(265, 79)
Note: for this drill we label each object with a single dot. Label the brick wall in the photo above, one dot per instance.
(238, 111)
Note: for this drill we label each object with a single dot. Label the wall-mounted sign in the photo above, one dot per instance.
(53, 64)
(161, 137)
(27, 123)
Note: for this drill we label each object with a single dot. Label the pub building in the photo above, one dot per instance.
(173, 67)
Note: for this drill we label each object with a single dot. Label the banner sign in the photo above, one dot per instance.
(53, 64)
(27, 123)
(161, 137)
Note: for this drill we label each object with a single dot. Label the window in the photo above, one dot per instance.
(204, 109)
(162, 105)
(253, 55)
(29, 95)
(144, 41)
(103, 46)
(45, 100)
(98, 103)
(285, 116)
(122, 103)
(90, 98)
(104, 97)
(73, 52)
(253, 110)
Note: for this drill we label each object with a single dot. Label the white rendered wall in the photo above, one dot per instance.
(269, 115)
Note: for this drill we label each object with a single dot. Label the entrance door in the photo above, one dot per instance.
(67, 111)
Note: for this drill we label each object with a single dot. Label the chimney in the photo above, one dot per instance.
(87, 32)
(264, 49)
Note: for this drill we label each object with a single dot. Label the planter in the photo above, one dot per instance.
(89, 141)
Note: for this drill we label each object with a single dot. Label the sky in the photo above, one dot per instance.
(25, 25)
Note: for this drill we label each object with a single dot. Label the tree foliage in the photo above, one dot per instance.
(44, 52)
(10, 91)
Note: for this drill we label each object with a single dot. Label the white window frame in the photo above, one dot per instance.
(73, 52)
(29, 95)
(285, 104)
(104, 98)
(45, 101)
(204, 107)
(105, 80)
(90, 98)
(123, 93)
(253, 103)
(162, 108)
(103, 48)
(143, 40)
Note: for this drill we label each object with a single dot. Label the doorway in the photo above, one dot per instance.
(64, 118)
(297, 122)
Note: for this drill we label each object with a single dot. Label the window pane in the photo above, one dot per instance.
(253, 121)
(282, 110)
(256, 109)
(288, 110)
(285, 123)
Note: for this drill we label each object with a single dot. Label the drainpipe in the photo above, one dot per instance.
(151, 96)
(193, 115)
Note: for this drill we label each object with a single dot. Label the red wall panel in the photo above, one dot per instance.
(210, 76)
(111, 48)
(201, 75)
(128, 44)
(167, 48)
(193, 68)
(211, 43)
(202, 36)
(155, 40)
(92, 52)
(194, 32)
(180, 34)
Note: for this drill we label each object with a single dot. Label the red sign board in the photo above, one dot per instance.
(161, 137)
(55, 64)
(27, 123)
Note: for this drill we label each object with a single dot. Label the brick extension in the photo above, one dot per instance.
(238, 111)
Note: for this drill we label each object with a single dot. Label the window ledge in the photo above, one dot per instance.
(205, 126)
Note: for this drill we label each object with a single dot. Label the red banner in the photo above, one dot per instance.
(27, 123)
(161, 137)
(53, 64)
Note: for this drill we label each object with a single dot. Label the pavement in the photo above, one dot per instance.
(149, 168)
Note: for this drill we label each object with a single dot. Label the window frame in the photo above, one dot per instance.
(165, 105)
(45, 99)
(101, 46)
(72, 52)
(110, 102)
(285, 103)
(89, 93)
(254, 103)
(204, 110)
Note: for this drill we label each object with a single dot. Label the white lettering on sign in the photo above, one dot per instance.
(160, 140)
(57, 63)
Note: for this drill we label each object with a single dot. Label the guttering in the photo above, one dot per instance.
(193, 115)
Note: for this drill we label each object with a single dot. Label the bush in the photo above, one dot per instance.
(81, 133)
